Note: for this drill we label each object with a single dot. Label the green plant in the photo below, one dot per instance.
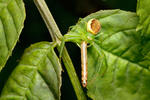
(118, 56)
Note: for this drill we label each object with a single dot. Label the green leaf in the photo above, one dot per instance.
(143, 11)
(12, 16)
(118, 58)
(38, 75)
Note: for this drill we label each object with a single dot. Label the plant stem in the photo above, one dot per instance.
(56, 36)
(48, 19)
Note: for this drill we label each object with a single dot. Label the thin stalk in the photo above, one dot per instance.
(48, 19)
(56, 36)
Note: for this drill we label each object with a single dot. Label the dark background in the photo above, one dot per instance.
(66, 13)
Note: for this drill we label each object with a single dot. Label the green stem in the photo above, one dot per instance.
(48, 19)
(56, 36)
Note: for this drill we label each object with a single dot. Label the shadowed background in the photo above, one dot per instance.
(66, 13)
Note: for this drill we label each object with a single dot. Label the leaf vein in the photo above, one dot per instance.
(120, 57)
(5, 34)
(13, 19)
(109, 36)
(50, 89)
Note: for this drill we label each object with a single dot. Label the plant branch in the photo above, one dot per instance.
(56, 36)
(48, 19)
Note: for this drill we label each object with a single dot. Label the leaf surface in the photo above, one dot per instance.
(118, 59)
(37, 77)
(143, 11)
(12, 16)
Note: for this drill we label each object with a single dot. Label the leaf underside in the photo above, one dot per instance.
(37, 77)
(12, 16)
(119, 58)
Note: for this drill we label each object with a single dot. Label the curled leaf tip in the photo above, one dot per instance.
(93, 26)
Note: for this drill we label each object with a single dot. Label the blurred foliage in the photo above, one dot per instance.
(66, 13)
